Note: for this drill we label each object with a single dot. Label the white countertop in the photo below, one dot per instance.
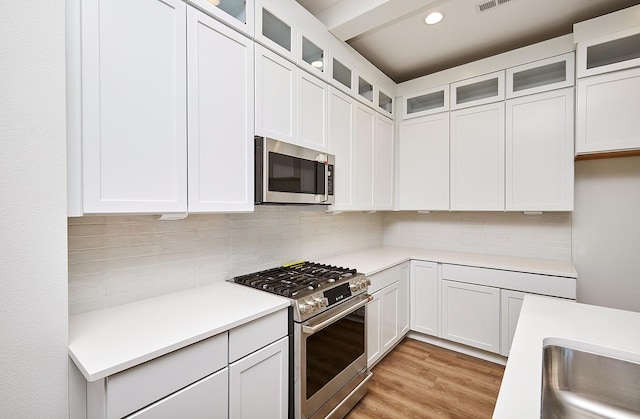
(376, 259)
(603, 330)
(104, 342)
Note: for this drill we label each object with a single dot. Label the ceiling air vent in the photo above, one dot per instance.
(483, 7)
(490, 4)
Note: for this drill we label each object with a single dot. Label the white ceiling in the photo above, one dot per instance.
(392, 34)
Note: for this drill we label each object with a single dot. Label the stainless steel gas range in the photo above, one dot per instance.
(329, 372)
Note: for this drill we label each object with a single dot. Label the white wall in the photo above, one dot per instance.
(33, 253)
(118, 259)
(546, 236)
(606, 232)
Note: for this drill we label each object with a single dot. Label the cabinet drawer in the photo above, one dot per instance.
(557, 286)
(205, 399)
(384, 278)
(257, 334)
(137, 387)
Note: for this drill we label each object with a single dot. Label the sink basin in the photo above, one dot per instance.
(583, 384)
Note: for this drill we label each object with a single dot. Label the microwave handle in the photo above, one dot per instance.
(326, 182)
(322, 158)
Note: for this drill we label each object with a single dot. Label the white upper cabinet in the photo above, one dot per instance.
(362, 158)
(134, 147)
(341, 138)
(423, 163)
(276, 95)
(235, 13)
(383, 164)
(612, 52)
(220, 118)
(539, 151)
(607, 112)
(426, 102)
(541, 76)
(479, 90)
(275, 27)
(477, 158)
(312, 111)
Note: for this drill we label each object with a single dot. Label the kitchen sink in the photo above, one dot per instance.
(584, 384)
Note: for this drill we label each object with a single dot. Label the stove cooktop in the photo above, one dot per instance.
(299, 279)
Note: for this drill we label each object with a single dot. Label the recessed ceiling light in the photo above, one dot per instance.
(214, 2)
(434, 17)
(317, 64)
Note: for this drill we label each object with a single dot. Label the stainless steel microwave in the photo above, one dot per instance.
(290, 174)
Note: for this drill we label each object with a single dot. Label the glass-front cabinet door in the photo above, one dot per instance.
(312, 55)
(237, 13)
(342, 74)
(385, 102)
(275, 28)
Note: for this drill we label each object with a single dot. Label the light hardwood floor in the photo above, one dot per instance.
(418, 380)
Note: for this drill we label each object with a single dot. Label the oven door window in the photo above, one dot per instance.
(332, 349)
(295, 175)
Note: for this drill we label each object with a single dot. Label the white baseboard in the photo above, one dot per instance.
(457, 347)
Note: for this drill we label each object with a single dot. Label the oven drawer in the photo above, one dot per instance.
(257, 334)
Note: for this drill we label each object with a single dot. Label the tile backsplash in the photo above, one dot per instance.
(544, 236)
(118, 259)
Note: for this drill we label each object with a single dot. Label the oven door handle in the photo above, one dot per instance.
(310, 330)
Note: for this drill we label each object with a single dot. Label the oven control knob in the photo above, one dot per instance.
(306, 308)
(353, 287)
(367, 282)
(319, 302)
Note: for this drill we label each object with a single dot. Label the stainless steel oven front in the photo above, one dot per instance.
(330, 369)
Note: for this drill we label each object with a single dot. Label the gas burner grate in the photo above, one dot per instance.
(296, 280)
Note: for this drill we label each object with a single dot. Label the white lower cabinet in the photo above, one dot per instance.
(389, 316)
(404, 300)
(240, 373)
(208, 398)
(471, 315)
(425, 309)
(510, 306)
(388, 312)
(258, 383)
(374, 345)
